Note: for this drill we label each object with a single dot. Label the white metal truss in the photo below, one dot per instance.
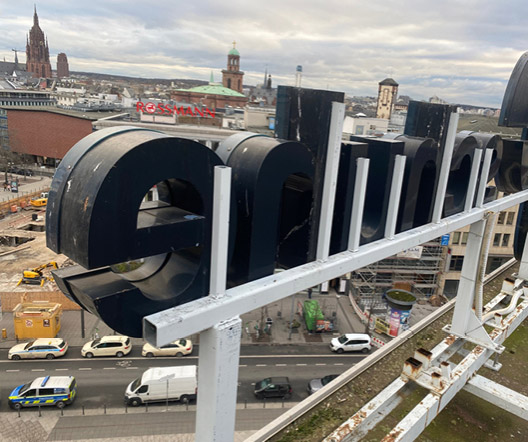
(217, 314)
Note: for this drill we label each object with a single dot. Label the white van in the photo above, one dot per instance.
(351, 342)
(163, 383)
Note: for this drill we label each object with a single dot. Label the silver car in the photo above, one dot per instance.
(316, 384)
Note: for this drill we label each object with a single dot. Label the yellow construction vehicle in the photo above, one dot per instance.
(39, 202)
(36, 276)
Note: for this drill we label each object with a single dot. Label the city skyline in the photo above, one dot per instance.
(460, 57)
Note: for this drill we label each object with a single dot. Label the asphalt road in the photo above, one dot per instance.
(102, 381)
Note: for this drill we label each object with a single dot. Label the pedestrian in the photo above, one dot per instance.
(8, 188)
(5, 186)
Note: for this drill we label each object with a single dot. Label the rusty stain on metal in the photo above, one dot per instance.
(393, 435)
(85, 204)
(412, 367)
(450, 340)
(425, 353)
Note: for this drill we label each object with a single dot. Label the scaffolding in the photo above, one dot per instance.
(420, 276)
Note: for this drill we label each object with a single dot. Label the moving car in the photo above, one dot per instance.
(113, 345)
(163, 384)
(49, 348)
(180, 347)
(351, 342)
(49, 390)
(316, 384)
(273, 387)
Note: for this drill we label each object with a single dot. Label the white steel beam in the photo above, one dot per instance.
(415, 422)
(358, 204)
(356, 427)
(444, 167)
(166, 326)
(220, 234)
(330, 180)
(394, 198)
(218, 379)
(498, 395)
(484, 177)
(475, 166)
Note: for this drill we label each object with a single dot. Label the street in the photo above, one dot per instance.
(102, 381)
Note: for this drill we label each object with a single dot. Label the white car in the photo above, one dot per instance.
(113, 345)
(49, 348)
(351, 342)
(181, 347)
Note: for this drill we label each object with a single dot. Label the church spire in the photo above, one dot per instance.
(35, 16)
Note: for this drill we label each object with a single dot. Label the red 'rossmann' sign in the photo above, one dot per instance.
(167, 109)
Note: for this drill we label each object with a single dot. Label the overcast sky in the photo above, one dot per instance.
(461, 51)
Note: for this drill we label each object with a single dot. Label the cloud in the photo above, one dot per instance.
(429, 47)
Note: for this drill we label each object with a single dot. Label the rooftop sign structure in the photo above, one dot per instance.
(306, 201)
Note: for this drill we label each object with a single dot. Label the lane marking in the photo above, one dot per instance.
(301, 365)
(38, 369)
(260, 365)
(242, 365)
(109, 368)
(281, 365)
(84, 369)
(337, 363)
(12, 371)
(132, 368)
(61, 369)
(320, 364)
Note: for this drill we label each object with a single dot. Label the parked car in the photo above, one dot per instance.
(113, 345)
(49, 348)
(273, 387)
(180, 347)
(163, 384)
(49, 390)
(351, 342)
(316, 384)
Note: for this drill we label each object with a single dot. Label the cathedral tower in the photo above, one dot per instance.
(232, 76)
(37, 51)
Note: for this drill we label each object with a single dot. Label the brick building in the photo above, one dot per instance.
(37, 51)
(45, 134)
(63, 70)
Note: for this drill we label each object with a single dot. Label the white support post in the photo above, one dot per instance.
(220, 234)
(444, 168)
(484, 177)
(465, 323)
(330, 180)
(394, 198)
(475, 166)
(219, 345)
(218, 381)
(358, 204)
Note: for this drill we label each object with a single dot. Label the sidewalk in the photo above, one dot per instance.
(345, 320)
(27, 185)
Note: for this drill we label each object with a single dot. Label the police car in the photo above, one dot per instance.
(49, 390)
(48, 348)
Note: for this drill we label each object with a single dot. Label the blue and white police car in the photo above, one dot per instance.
(49, 348)
(49, 390)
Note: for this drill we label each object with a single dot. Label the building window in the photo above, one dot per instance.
(359, 130)
(464, 238)
(456, 238)
(511, 215)
(451, 287)
(456, 263)
(496, 239)
(502, 217)
(505, 239)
